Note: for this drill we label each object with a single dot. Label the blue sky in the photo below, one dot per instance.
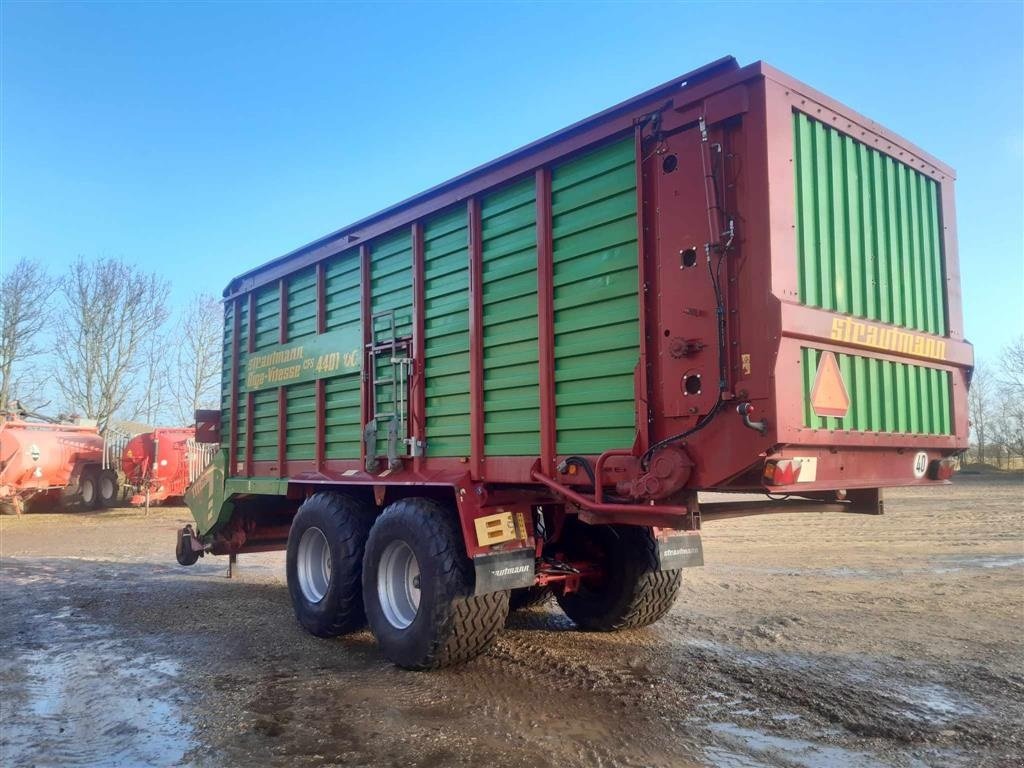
(201, 140)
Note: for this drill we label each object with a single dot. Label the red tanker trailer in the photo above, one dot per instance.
(158, 463)
(48, 459)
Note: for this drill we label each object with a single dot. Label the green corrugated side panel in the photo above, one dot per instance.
(302, 304)
(301, 422)
(342, 294)
(868, 231)
(264, 425)
(243, 336)
(390, 289)
(509, 296)
(391, 282)
(446, 333)
(342, 417)
(264, 408)
(268, 316)
(597, 337)
(900, 398)
(225, 372)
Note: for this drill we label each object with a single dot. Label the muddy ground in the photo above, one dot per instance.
(807, 640)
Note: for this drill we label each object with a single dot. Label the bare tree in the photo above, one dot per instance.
(110, 309)
(1010, 379)
(981, 407)
(25, 313)
(196, 379)
(152, 397)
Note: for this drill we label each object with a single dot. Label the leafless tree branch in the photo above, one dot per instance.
(25, 313)
(110, 310)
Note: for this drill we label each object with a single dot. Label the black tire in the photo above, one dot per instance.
(528, 597)
(108, 488)
(450, 624)
(634, 592)
(184, 553)
(345, 524)
(88, 489)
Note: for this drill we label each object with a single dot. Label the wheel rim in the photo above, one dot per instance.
(314, 565)
(88, 491)
(106, 488)
(398, 584)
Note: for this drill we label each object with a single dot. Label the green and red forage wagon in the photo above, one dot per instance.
(516, 383)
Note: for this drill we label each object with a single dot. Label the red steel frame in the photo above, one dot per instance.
(774, 326)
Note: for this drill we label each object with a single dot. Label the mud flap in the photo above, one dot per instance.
(504, 570)
(680, 550)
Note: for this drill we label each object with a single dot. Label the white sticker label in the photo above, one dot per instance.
(920, 464)
(808, 468)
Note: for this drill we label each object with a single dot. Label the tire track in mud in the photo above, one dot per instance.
(666, 686)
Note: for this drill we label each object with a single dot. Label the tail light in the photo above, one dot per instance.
(941, 469)
(782, 472)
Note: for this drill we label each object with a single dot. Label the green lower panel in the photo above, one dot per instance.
(900, 398)
(597, 337)
(511, 389)
(342, 417)
(301, 422)
(264, 425)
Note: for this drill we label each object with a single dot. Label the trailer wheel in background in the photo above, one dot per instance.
(528, 597)
(633, 592)
(88, 489)
(418, 589)
(107, 487)
(324, 563)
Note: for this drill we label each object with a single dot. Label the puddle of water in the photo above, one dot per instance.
(748, 748)
(966, 562)
(752, 658)
(949, 564)
(932, 703)
(94, 704)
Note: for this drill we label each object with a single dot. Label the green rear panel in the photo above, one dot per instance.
(268, 333)
(342, 294)
(594, 229)
(511, 388)
(390, 289)
(868, 231)
(884, 396)
(446, 333)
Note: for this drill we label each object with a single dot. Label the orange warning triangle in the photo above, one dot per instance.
(828, 395)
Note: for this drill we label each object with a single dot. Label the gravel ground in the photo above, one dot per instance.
(807, 640)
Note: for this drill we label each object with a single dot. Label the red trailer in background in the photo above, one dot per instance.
(65, 463)
(160, 464)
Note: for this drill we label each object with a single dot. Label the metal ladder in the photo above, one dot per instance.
(395, 414)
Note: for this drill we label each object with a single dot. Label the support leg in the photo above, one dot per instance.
(232, 560)
(866, 501)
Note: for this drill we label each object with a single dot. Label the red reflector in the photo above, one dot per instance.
(828, 395)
